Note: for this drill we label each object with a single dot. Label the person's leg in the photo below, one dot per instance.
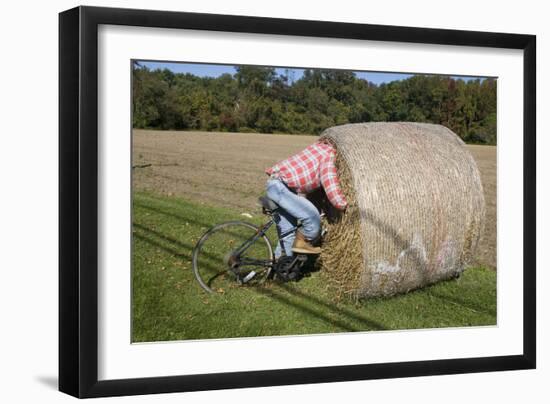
(297, 206)
(284, 221)
(286, 224)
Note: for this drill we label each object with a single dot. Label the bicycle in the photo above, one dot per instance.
(238, 253)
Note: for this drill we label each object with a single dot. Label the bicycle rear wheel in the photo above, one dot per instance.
(231, 254)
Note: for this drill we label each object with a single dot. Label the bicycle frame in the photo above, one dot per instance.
(261, 232)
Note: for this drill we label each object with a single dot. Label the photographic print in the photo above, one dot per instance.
(272, 201)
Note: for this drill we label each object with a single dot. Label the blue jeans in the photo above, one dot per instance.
(294, 208)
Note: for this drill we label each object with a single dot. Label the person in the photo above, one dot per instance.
(290, 181)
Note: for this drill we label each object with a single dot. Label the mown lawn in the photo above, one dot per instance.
(168, 303)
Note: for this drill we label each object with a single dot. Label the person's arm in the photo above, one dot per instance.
(331, 183)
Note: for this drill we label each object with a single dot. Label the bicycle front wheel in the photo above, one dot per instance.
(232, 254)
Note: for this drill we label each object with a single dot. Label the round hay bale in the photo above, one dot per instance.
(416, 208)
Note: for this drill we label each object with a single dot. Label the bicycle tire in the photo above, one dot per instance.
(211, 261)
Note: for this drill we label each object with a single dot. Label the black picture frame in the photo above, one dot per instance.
(78, 201)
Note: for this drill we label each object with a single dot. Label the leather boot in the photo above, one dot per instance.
(303, 246)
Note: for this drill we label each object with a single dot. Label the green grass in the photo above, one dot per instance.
(168, 303)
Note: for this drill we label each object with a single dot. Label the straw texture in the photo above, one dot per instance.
(416, 208)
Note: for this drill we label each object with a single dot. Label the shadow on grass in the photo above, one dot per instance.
(305, 305)
(163, 247)
(160, 210)
(165, 238)
(463, 303)
(171, 214)
(338, 310)
(171, 240)
(180, 217)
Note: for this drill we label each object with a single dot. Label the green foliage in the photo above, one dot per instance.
(257, 99)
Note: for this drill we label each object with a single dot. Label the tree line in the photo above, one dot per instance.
(258, 99)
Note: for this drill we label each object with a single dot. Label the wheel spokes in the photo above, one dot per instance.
(216, 264)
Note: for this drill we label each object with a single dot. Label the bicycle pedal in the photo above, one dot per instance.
(249, 276)
(294, 276)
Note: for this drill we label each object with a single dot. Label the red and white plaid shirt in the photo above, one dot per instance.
(311, 168)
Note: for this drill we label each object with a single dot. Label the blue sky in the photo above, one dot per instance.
(207, 70)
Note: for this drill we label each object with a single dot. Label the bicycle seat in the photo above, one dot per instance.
(267, 203)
